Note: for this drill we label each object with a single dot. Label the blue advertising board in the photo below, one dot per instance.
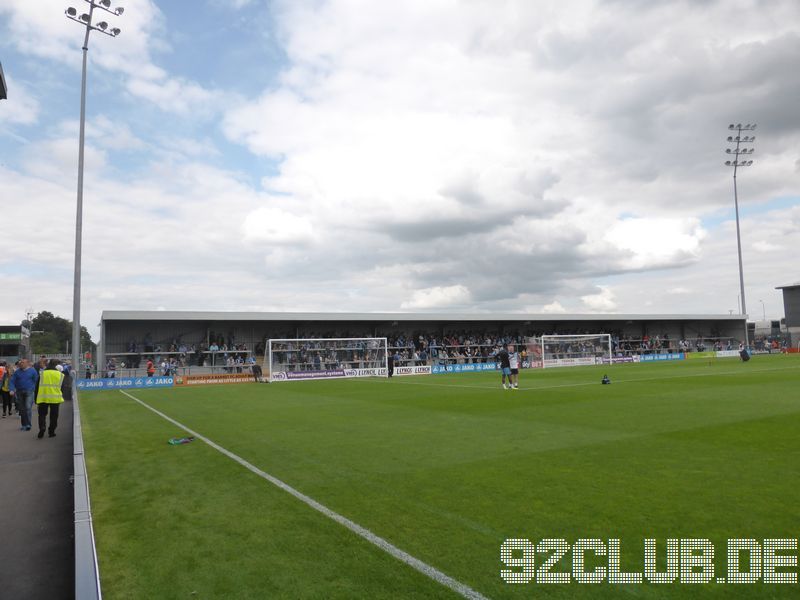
(121, 383)
(658, 357)
(439, 369)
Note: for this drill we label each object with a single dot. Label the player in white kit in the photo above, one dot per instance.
(513, 358)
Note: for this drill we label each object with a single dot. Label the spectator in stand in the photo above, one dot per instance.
(23, 388)
(151, 367)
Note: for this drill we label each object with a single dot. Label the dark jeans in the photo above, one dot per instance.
(24, 405)
(6, 402)
(43, 408)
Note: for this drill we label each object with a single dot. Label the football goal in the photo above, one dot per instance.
(327, 358)
(575, 350)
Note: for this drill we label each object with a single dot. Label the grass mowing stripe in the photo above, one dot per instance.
(583, 383)
(423, 567)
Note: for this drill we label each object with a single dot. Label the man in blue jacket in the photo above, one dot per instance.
(23, 389)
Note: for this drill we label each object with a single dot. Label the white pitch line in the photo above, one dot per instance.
(565, 385)
(415, 563)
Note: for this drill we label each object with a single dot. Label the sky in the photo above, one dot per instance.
(419, 156)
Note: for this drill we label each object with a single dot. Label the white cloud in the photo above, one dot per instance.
(48, 34)
(762, 246)
(21, 107)
(601, 302)
(656, 242)
(420, 155)
(438, 297)
(554, 308)
(276, 226)
(679, 291)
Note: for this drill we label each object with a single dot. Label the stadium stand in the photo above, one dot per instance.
(230, 342)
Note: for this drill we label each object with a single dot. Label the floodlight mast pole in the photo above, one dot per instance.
(738, 152)
(84, 19)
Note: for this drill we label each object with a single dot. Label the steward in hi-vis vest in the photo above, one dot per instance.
(49, 397)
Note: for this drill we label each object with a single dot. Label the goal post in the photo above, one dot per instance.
(302, 359)
(576, 350)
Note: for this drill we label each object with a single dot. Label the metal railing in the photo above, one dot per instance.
(87, 573)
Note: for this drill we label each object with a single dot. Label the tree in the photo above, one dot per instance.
(50, 334)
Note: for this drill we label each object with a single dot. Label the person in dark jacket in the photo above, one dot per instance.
(23, 389)
(66, 386)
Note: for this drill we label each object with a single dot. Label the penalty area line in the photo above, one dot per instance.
(413, 562)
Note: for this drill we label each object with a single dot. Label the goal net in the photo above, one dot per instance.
(327, 358)
(575, 350)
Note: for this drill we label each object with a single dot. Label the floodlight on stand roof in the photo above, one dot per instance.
(119, 10)
(105, 3)
(85, 18)
(71, 12)
(116, 31)
(102, 25)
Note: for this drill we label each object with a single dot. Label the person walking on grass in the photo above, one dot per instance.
(513, 359)
(505, 367)
(49, 396)
(23, 389)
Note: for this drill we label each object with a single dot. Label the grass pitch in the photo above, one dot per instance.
(446, 468)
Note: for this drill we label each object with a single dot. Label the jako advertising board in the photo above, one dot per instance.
(659, 357)
(470, 368)
(121, 383)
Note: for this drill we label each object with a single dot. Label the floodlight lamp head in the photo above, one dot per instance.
(119, 10)
(753, 127)
(738, 126)
(730, 138)
(105, 3)
(85, 18)
(728, 163)
(116, 31)
(731, 126)
(71, 12)
(102, 25)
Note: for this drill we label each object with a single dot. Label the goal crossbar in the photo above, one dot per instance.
(571, 357)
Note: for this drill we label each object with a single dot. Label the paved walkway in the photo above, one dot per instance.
(36, 514)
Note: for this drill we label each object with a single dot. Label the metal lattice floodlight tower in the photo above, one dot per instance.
(85, 19)
(739, 154)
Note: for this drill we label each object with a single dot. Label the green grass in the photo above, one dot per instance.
(446, 468)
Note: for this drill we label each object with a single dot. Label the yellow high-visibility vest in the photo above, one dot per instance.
(50, 387)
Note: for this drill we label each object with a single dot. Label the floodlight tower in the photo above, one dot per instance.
(739, 154)
(85, 19)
